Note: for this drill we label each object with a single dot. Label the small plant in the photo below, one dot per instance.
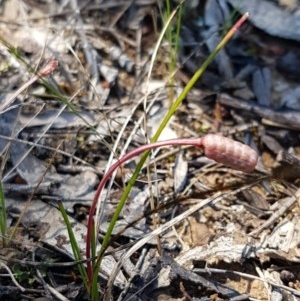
(25, 275)
(221, 149)
(74, 245)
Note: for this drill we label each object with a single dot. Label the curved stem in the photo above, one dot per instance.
(146, 149)
(184, 141)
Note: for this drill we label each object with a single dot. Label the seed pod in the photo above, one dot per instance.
(229, 152)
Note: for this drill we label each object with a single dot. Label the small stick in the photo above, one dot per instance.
(282, 209)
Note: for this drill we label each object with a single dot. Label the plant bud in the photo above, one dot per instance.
(229, 152)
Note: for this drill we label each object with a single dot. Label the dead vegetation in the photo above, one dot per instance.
(191, 229)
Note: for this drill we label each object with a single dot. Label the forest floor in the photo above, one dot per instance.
(222, 234)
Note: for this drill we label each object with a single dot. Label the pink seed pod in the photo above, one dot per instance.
(49, 68)
(229, 152)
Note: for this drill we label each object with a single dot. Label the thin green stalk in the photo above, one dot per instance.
(173, 41)
(74, 245)
(187, 89)
(178, 26)
(3, 220)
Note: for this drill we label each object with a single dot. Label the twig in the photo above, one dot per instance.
(55, 293)
(22, 289)
(249, 276)
(282, 209)
(288, 118)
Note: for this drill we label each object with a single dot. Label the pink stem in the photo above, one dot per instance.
(183, 141)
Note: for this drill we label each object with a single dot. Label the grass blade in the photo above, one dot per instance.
(3, 220)
(74, 245)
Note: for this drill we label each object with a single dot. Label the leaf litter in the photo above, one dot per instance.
(224, 234)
